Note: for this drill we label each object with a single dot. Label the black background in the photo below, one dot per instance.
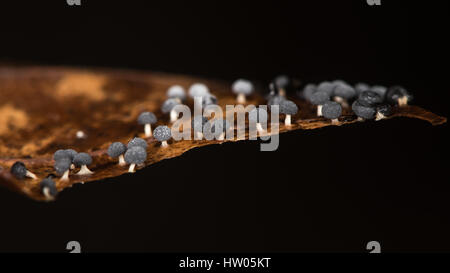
(331, 189)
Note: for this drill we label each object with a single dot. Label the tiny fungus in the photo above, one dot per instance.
(260, 116)
(82, 160)
(361, 87)
(274, 98)
(62, 168)
(198, 90)
(327, 87)
(363, 111)
(135, 155)
(137, 142)
(169, 107)
(332, 110)
(343, 93)
(288, 108)
(48, 188)
(117, 149)
(398, 95)
(176, 92)
(307, 91)
(282, 82)
(319, 98)
(383, 111)
(242, 88)
(197, 124)
(370, 98)
(147, 119)
(163, 134)
(380, 90)
(68, 153)
(19, 170)
(209, 99)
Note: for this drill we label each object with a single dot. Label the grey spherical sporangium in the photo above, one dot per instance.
(168, 105)
(198, 90)
(116, 149)
(362, 111)
(81, 159)
(176, 91)
(361, 87)
(146, 118)
(49, 184)
(288, 107)
(396, 92)
(307, 91)
(369, 98)
(326, 87)
(242, 86)
(137, 142)
(135, 155)
(282, 81)
(319, 98)
(162, 133)
(344, 91)
(62, 165)
(19, 170)
(331, 110)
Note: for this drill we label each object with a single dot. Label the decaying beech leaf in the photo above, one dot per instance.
(42, 109)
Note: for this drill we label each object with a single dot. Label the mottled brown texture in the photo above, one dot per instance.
(42, 108)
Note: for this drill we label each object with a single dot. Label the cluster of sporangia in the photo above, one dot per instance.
(368, 102)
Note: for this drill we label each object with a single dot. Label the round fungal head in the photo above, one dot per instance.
(242, 86)
(116, 149)
(288, 107)
(59, 154)
(380, 90)
(198, 90)
(62, 165)
(162, 133)
(146, 118)
(369, 98)
(344, 91)
(198, 122)
(326, 87)
(395, 93)
(68, 153)
(71, 153)
(50, 185)
(308, 91)
(258, 115)
(276, 100)
(363, 111)
(319, 97)
(168, 105)
(282, 81)
(331, 110)
(361, 87)
(81, 159)
(135, 155)
(384, 109)
(176, 91)
(19, 170)
(209, 100)
(137, 142)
